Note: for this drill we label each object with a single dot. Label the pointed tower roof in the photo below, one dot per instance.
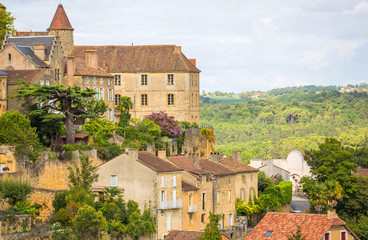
(60, 20)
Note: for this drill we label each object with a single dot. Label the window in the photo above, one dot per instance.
(343, 235)
(174, 198)
(170, 99)
(87, 81)
(204, 200)
(113, 181)
(117, 79)
(101, 81)
(190, 218)
(327, 236)
(218, 180)
(229, 179)
(230, 220)
(102, 91)
(109, 115)
(94, 80)
(244, 178)
(42, 82)
(108, 94)
(9, 57)
(144, 99)
(47, 83)
(162, 181)
(203, 217)
(108, 82)
(245, 194)
(170, 79)
(168, 221)
(144, 79)
(190, 199)
(117, 99)
(207, 177)
(229, 196)
(268, 233)
(174, 181)
(218, 197)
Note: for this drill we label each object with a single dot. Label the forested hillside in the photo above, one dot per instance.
(273, 127)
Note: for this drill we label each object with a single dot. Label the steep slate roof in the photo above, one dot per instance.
(28, 52)
(26, 75)
(3, 73)
(153, 58)
(361, 172)
(186, 164)
(30, 41)
(313, 226)
(155, 163)
(216, 168)
(237, 166)
(184, 235)
(82, 70)
(60, 20)
(29, 33)
(188, 187)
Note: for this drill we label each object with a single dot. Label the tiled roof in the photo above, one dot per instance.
(60, 20)
(313, 226)
(78, 135)
(184, 235)
(32, 40)
(154, 58)
(82, 70)
(188, 187)
(155, 163)
(186, 164)
(28, 52)
(236, 165)
(3, 73)
(26, 75)
(361, 172)
(215, 168)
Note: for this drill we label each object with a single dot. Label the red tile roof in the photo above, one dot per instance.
(26, 75)
(313, 226)
(78, 135)
(237, 166)
(82, 70)
(361, 172)
(60, 20)
(188, 187)
(216, 168)
(29, 33)
(186, 164)
(155, 163)
(152, 58)
(183, 235)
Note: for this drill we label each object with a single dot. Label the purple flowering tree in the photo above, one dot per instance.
(168, 125)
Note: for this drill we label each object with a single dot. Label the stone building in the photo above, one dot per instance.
(3, 92)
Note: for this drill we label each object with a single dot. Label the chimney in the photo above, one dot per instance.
(177, 49)
(193, 61)
(133, 153)
(214, 157)
(71, 70)
(39, 51)
(237, 155)
(161, 154)
(91, 58)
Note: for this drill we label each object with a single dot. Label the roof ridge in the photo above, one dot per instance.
(60, 20)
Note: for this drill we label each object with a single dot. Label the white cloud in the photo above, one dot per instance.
(361, 7)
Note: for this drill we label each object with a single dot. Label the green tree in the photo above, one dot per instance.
(124, 107)
(6, 24)
(70, 102)
(14, 190)
(298, 235)
(84, 176)
(100, 127)
(89, 224)
(96, 108)
(16, 130)
(212, 231)
(264, 182)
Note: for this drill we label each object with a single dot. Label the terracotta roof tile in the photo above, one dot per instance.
(183, 235)
(186, 164)
(29, 33)
(313, 226)
(215, 168)
(78, 135)
(82, 70)
(26, 75)
(361, 172)
(155, 163)
(188, 187)
(60, 20)
(237, 166)
(152, 58)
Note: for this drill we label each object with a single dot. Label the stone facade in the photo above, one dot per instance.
(67, 40)
(7, 158)
(196, 143)
(3, 92)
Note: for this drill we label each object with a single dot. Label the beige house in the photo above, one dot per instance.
(150, 181)
(157, 78)
(3, 92)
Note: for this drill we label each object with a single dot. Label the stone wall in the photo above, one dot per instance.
(28, 235)
(195, 142)
(15, 223)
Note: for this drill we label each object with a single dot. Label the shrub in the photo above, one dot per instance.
(287, 188)
(14, 190)
(168, 125)
(59, 200)
(63, 216)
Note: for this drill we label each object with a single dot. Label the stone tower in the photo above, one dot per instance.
(61, 26)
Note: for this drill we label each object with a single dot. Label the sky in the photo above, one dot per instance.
(240, 45)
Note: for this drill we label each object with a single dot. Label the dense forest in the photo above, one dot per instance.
(288, 120)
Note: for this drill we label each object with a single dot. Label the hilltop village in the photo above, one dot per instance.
(103, 142)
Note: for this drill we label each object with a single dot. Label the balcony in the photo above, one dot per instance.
(171, 204)
(192, 208)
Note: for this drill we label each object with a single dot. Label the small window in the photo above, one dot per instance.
(218, 180)
(42, 82)
(200, 178)
(117, 79)
(174, 181)
(170, 79)
(101, 81)
(343, 235)
(113, 181)
(108, 82)
(327, 236)
(87, 81)
(229, 179)
(9, 57)
(229, 196)
(117, 99)
(190, 218)
(144, 79)
(268, 233)
(170, 99)
(218, 197)
(144, 99)
(162, 181)
(204, 200)
(203, 217)
(207, 178)
(47, 82)
(94, 80)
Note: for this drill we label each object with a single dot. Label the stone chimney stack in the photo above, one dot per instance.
(133, 153)
(237, 155)
(214, 157)
(40, 51)
(161, 153)
(91, 58)
(331, 213)
(177, 49)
